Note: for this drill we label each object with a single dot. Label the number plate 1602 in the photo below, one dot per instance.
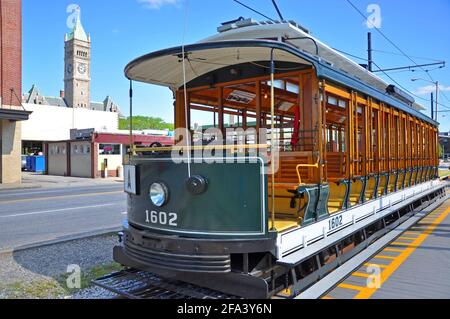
(334, 222)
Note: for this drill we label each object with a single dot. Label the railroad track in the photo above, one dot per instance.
(136, 284)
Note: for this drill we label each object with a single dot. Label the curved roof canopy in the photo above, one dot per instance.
(166, 67)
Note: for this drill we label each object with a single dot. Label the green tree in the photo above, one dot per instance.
(441, 151)
(145, 123)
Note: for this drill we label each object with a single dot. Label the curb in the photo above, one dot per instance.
(62, 240)
(20, 188)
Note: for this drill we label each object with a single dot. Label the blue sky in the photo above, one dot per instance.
(123, 30)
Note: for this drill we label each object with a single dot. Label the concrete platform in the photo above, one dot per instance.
(415, 266)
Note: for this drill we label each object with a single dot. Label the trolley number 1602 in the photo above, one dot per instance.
(334, 222)
(161, 218)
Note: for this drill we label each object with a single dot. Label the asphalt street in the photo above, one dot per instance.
(29, 217)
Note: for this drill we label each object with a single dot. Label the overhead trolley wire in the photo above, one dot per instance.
(277, 9)
(408, 91)
(254, 10)
(351, 55)
(392, 79)
(386, 37)
(399, 54)
(401, 51)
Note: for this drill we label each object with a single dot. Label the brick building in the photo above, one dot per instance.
(92, 154)
(11, 110)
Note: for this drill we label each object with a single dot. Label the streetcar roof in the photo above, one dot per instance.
(165, 67)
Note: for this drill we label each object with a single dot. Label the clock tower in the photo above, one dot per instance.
(77, 66)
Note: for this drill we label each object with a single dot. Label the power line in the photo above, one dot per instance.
(254, 10)
(387, 39)
(406, 90)
(365, 60)
(444, 95)
(392, 79)
(349, 54)
(277, 9)
(402, 52)
(412, 67)
(398, 54)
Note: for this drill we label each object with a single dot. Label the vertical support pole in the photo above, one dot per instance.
(131, 153)
(272, 139)
(356, 150)
(258, 110)
(432, 105)
(380, 139)
(348, 128)
(244, 120)
(437, 102)
(388, 139)
(369, 51)
(220, 106)
(323, 166)
(366, 138)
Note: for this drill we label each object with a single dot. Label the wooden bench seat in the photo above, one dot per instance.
(382, 184)
(392, 182)
(282, 225)
(336, 200)
(371, 184)
(400, 180)
(356, 191)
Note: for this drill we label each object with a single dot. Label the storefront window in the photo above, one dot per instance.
(109, 149)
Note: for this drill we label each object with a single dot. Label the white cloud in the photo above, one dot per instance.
(156, 4)
(431, 89)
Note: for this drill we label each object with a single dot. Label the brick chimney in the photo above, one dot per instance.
(61, 94)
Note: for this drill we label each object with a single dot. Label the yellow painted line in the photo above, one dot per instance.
(407, 238)
(58, 197)
(395, 250)
(360, 274)
(386, 257)
(411, 233)
(375, 265)
(351, 287)
(367, 292)
(327, 297)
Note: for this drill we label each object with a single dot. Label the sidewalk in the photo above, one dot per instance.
(33, 180)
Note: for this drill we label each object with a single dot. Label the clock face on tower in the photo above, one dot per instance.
(69, 68)
(82, 68)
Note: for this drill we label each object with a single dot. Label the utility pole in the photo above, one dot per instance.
(437, 97)
(436, 112)
(369, 51)
(432, 106)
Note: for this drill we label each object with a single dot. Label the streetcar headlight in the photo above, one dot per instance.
(159, 194)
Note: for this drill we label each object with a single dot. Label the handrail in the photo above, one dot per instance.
(203, 147)
(305, 165)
